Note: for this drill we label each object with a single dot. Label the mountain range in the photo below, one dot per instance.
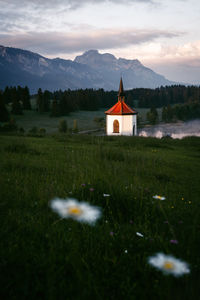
(90, 70)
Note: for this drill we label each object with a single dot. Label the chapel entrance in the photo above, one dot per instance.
(116, 126)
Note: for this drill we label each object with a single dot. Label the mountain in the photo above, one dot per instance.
(133, 72)
(90, 70)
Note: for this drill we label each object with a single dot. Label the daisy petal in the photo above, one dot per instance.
(169, 264)
(79, 211)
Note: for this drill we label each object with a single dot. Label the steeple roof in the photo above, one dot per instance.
(121, 89)
(121, 108)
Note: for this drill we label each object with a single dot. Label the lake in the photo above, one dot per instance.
(177, 130)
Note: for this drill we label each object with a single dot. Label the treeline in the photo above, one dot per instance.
(187, 111)
(18, 98)
(61, 103)
(182, 112)
(163, 96)
(15, 95)
(67, 101)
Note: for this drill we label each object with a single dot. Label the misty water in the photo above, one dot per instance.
(177, 130)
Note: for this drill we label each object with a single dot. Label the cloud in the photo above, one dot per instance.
(188, 50)
(67, 3)
(187, 53)
(50, 43)
(74, 4)
(180, 63)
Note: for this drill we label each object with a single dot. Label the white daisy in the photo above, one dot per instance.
(106, 195)
(169, 264)
(79, 211)
(159, 197)
(139, 234)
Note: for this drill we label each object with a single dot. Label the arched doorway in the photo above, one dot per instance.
(116, 126)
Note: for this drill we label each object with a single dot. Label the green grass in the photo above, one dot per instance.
(85, 119)
(44, 257)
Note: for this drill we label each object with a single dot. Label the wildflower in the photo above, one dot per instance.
(139, 234)
(172, 206)
(169, 264)
(91, 189)
(79, 211)
(173, 241)
(111, 233)
(159, 197)
(189, 202)
(106, 195)
(126, 251)
(83, 184)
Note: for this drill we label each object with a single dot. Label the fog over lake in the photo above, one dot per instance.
(177, 130)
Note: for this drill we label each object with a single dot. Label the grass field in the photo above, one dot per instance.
(85, 119)
(45, 257)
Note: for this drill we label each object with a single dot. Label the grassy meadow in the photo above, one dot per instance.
(46, 257)
(85, 119)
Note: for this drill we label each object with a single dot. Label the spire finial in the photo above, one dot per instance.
(121, 89)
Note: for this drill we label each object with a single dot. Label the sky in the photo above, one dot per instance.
(163, 34)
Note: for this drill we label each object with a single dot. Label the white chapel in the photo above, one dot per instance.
(121, 119)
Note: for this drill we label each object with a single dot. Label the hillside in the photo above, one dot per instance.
(90, 70)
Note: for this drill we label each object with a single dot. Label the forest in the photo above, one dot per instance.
(178, 101)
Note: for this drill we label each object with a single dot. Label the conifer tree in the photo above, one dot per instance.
(152, 116)
(7, 95)
(55, 110)
(4, 115)
(16, 105)
(25, 98)
(164, 114)
(46, 100)
(40, 101)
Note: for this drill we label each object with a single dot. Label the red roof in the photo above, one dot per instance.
(120, 108)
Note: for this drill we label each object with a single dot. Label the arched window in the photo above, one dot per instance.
(116, 126)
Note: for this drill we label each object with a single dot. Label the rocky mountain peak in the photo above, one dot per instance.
(89, 70)
(93, 57)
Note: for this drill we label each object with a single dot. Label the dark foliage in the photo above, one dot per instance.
(43, 101)
(152, 116)
(90, 99)
(4, 115)
(16, 103)
(187, 111)
(9, 126)
(19, 98)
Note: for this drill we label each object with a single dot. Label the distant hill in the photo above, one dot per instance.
(90, 70)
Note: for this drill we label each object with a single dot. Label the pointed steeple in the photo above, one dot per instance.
(121, 108)
(121, 91)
